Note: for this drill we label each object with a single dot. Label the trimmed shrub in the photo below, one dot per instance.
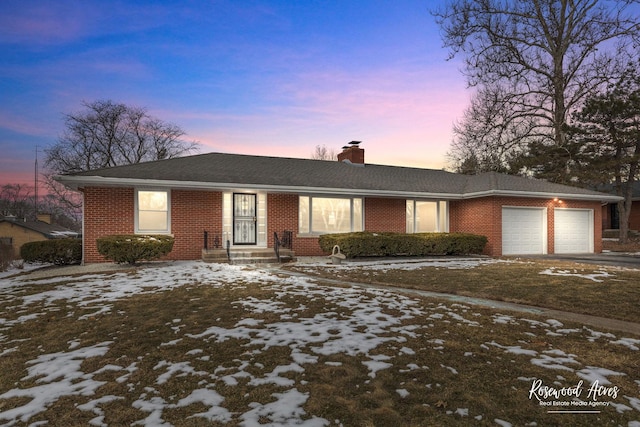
(401, 244)
(55, 251)
(131, 248)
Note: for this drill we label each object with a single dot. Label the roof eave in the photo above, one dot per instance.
(76, 182)
(543, 195)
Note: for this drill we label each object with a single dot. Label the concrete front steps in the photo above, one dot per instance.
(247, 256)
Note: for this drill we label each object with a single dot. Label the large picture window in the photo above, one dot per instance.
(152, 209)
(320, 215)
(427, 216)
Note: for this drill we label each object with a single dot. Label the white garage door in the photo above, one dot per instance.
(524, 231)
(573, 231)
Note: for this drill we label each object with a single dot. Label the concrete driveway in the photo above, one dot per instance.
(618, 259)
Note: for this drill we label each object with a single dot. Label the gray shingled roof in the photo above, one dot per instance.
(218, 170)
(610, 189)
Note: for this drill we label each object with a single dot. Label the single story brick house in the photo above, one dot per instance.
(245, 199)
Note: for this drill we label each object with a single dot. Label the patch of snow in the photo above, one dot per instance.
(285, 410)
(555, 359)
(597, 276)
(594, 374)
(450, 369)
(630, 343)
(94, 406)
(57, 375)
(463, 412)
(210, 398)
(515, 349)
(402, 392)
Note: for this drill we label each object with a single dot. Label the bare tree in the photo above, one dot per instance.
(323, 153)
(17, 200)
(63, 198)
(546, 55)
(107, 134)
(489, 137)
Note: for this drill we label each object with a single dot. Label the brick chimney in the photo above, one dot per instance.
(352, 153)
(46, 218)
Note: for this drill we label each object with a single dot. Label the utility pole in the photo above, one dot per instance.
(35, 199)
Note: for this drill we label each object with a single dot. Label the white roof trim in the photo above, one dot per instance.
(541, 195)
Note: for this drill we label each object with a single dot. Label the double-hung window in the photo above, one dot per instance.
(320, 215)
(153, 212)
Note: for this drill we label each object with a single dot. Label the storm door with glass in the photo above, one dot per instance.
(244, 219)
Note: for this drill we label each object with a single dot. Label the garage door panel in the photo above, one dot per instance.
(523, 231)
(573, 231)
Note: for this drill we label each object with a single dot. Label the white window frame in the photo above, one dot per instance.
(440, 227)
(352, 225)
(167, 230)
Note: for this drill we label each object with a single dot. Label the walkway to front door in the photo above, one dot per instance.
(244, 219)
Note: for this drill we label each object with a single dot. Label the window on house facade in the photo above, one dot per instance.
(427, 217)
(319, 215)
(152, 211)
(8, 241)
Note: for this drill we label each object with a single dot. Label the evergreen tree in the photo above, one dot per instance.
(607, 134)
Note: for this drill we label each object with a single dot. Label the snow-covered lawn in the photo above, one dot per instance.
(232, 345)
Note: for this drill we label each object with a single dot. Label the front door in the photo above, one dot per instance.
(244, 219)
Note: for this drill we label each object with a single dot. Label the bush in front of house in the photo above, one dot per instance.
(131, 248)
(403, 244)
(55, 251)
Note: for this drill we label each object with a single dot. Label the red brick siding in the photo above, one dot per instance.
(385, 215)
(193, 212)
(478, 216)
(111, 211)
(353, 154)
(282, 214)
(484, 216)
(107, 211)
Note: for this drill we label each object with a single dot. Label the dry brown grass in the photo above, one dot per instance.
(455, 361)
(615, 296)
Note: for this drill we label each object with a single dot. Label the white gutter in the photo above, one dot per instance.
(542, 195)
(82, 181)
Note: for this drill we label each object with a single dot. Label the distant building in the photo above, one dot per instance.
(16, 232)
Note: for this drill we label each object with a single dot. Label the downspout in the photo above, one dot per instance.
(83, 233)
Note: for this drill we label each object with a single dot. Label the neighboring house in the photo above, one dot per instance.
(16, 232)
(610, 215)
(245, 199)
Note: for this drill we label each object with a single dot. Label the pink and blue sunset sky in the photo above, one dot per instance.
(251, 77)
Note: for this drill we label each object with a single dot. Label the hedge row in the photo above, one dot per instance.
(55, 251)
(401, 244)
(130, 248)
